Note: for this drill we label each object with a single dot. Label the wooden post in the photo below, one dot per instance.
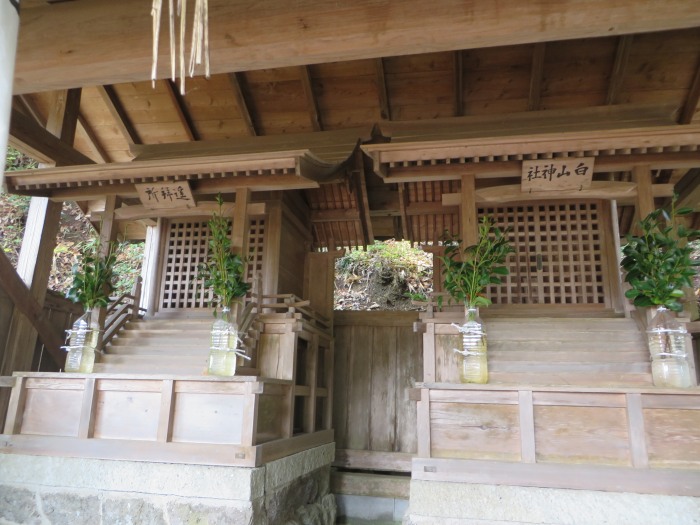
(138, 287)
(468, 212)
(108, 234)
(641, 175)
(239, 231)
(152, 257)
(9, 22)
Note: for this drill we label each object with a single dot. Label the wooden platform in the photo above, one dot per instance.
(239, 421)
(618, 439)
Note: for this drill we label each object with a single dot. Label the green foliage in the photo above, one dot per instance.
(93, 274)
(468, 272)
(223, 271)
(658, 263)
(16, 160)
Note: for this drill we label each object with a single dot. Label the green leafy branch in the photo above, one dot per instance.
(223, 270)
(468, 272)
(93, 274)
(658, 262)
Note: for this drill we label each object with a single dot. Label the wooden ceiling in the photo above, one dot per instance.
(290, 72)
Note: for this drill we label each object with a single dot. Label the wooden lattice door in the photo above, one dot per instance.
(560, 254)
(186, 246)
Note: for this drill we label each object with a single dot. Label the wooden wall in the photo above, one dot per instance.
(295, 242)
(378, 358)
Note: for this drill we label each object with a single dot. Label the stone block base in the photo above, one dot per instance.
(434, 502)
(46, 490)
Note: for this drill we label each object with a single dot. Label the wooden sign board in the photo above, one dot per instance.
(557, 174)
(166, 195)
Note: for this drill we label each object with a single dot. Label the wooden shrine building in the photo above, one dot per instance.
(326, 126)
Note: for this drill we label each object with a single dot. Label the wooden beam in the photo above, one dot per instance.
(238, 84)
(311, 102)
(27, 136)
(617, 75)
(459, 83)
(71, 44)
(183, 113)
(25, 302)
(382, 90)
(692, 100)
(116, 109)
(536, 73)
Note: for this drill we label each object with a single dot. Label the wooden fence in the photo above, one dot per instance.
(378, 359)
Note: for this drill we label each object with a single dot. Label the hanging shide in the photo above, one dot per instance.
(199, 47)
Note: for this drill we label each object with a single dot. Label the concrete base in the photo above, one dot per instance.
(46, 490)
(368, 510)
(473, 504)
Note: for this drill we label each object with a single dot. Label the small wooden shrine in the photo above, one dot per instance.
(324, 128)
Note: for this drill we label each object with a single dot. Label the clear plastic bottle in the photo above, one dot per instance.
(667, 346)
(222, 359)
(473, 366)
(77, 337)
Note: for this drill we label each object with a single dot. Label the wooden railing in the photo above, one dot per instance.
(122, 310)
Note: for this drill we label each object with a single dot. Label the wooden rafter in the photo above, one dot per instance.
(238, 84)
(383, 92)
(458, 57)
(311, 101)
(691, 102)
(93, 139)
(183, 113)
(617, 75)
(536, 73)
(115, 107)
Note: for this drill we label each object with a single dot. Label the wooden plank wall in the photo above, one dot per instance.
(295, 242)
(378, 358)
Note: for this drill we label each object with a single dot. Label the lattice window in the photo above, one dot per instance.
(187, 246)
(558, 254)
(256, 246)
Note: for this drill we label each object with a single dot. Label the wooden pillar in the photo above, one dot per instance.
(108, 234)
(36, 255)
(319, 281)
(149, 268)
(468, 212)
(239, 232)
(641, 175)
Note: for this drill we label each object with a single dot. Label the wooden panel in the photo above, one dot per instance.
(207, 418)
(477, 431)
(127, 415)
(446, 359)
(409, 372)
(41, 404)
(673, 437)
(382, 429)
(272, 417)
(359, 389)
(582, 435)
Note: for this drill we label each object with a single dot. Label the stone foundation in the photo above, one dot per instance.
(446, 503)
(45, 490)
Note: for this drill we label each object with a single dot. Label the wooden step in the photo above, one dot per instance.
(559, 356)
(571, 378)
(571, 367)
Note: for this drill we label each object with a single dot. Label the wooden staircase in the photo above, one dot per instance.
(562, 351)
(159, 346)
